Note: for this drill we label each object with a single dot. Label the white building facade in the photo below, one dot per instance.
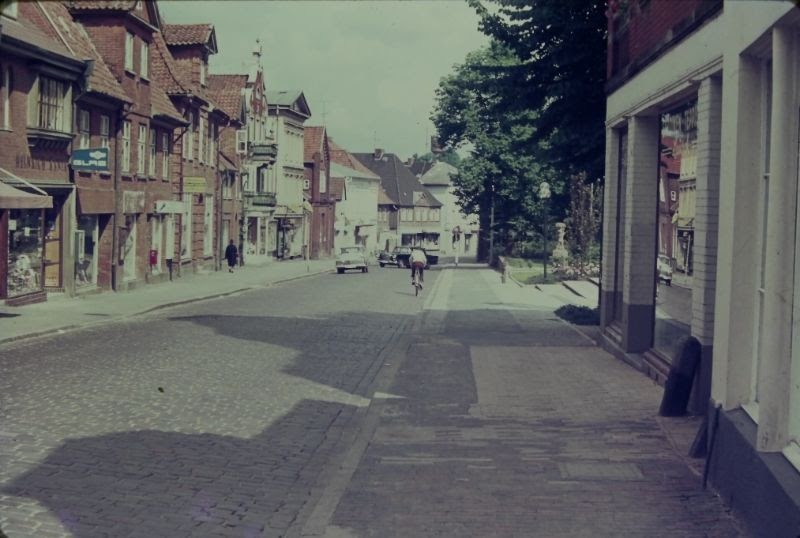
(290, 226)
(357, 211)
(738, 68)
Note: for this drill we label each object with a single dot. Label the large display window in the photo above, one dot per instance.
(86, 243)
(25, 248)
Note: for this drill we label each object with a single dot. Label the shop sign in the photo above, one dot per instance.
(168, 206)
(132, 202)
(90, 159)
(194, 184)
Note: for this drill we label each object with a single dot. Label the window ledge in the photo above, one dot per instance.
(38, 137)
(6, 130)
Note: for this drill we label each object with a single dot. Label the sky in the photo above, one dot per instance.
(367, 68)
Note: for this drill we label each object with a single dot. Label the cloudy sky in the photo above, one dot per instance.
(370, 66)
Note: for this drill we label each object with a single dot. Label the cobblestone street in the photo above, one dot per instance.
(359, 411)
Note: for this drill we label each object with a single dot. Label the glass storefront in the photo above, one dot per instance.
(676, 217)
(86, 244)
(25, 248)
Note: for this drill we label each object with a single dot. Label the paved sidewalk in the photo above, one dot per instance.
(504, 421)
(61, 313)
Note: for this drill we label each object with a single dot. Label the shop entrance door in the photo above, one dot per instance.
(52, 248)
(129, 249)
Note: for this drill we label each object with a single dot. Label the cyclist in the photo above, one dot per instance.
(418, 261)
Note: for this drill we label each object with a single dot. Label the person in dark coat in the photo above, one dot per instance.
(231, 254)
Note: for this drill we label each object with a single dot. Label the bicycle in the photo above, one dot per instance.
(417, 284)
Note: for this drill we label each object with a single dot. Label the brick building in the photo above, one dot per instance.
(725, 92)
(141, 177)
(317, 161)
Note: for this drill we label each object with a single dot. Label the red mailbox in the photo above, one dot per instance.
(153, 257)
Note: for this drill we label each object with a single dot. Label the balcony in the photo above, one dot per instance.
(263, 152)
(262, 199)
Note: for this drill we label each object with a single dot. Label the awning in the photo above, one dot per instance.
(13, 198)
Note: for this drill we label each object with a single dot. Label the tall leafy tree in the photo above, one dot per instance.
(561, 47)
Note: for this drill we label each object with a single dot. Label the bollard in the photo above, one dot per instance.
(678, 387)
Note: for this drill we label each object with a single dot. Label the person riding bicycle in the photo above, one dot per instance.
(418, 261)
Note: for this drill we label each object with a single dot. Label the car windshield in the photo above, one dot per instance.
(351, 250)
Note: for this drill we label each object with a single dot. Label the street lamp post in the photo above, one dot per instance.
(544, 194)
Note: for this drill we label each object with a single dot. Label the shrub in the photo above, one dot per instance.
(579, 315)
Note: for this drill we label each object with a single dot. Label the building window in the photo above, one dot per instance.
(84, 130)
(5, 98)
(129, 51)
(202, 73)
(151, 165)
(105, 128)
(165, 155)
(188, 138)
(141, 146)
(51, 105)
(306, 184)
(200, 135)
(144, 60)
(126, 146)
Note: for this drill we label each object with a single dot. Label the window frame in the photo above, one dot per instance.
(141, 148)
(84, 129)
(125, 166)
(105, 131)
(151, 163)
(5, 96)
(43, 104)
(144, 59)
(130, 43)
(165, 143)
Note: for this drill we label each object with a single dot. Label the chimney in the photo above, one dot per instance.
(378, 154)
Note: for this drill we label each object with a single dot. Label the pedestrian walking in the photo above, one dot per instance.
(231, 254)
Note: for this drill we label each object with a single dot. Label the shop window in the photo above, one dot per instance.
(25, 247)
(84, 130)
(86, 239)
(50, 105)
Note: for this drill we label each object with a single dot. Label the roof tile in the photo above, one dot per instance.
(226, 91)
(397, 180)
(312, 141)
(187, 34)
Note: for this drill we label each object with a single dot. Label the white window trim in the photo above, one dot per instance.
(144, 60)
(141, 147)
(126, 146)
(130, 42)
(151, 164)
(200, 135)
(62, 110)
(105, 131)
(84, 129)
(6, 96)
(189, 136)
(165, 155)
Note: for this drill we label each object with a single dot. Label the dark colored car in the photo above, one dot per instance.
(400, 255)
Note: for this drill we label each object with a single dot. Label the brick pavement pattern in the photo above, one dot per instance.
(509, 423)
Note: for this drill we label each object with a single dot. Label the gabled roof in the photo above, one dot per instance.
(313, 138)
(383, 198)
(293, 99)
(419, 167)
(438, 174)
(191, 34)
(35, 37)
(226, 91)
(164, 70)
(127, 6)
(344, 158)
(397, 180)
(75, 37)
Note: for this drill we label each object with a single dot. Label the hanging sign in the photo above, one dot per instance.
(90, 159)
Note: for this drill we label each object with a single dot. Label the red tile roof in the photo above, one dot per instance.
(164, 70)
(31, 28)
(187, 34)
(343, 157)
(226, 91)
(312, 141)
(74, 36)
(113, 5)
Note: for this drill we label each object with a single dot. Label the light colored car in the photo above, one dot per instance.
(665, 269)
(354, 257)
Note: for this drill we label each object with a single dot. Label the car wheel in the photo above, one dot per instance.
(669, 283)
(382, 265)
(340, 271)
(363, 269)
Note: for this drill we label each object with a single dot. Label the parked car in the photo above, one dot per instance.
(400, 255)
(354, 257)
(665, 269)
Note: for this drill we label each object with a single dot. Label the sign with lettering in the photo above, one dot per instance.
(90, 159)
(194, 184)
(169, 206)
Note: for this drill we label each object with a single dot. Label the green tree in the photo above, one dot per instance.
(583, 221)
(561, 48)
